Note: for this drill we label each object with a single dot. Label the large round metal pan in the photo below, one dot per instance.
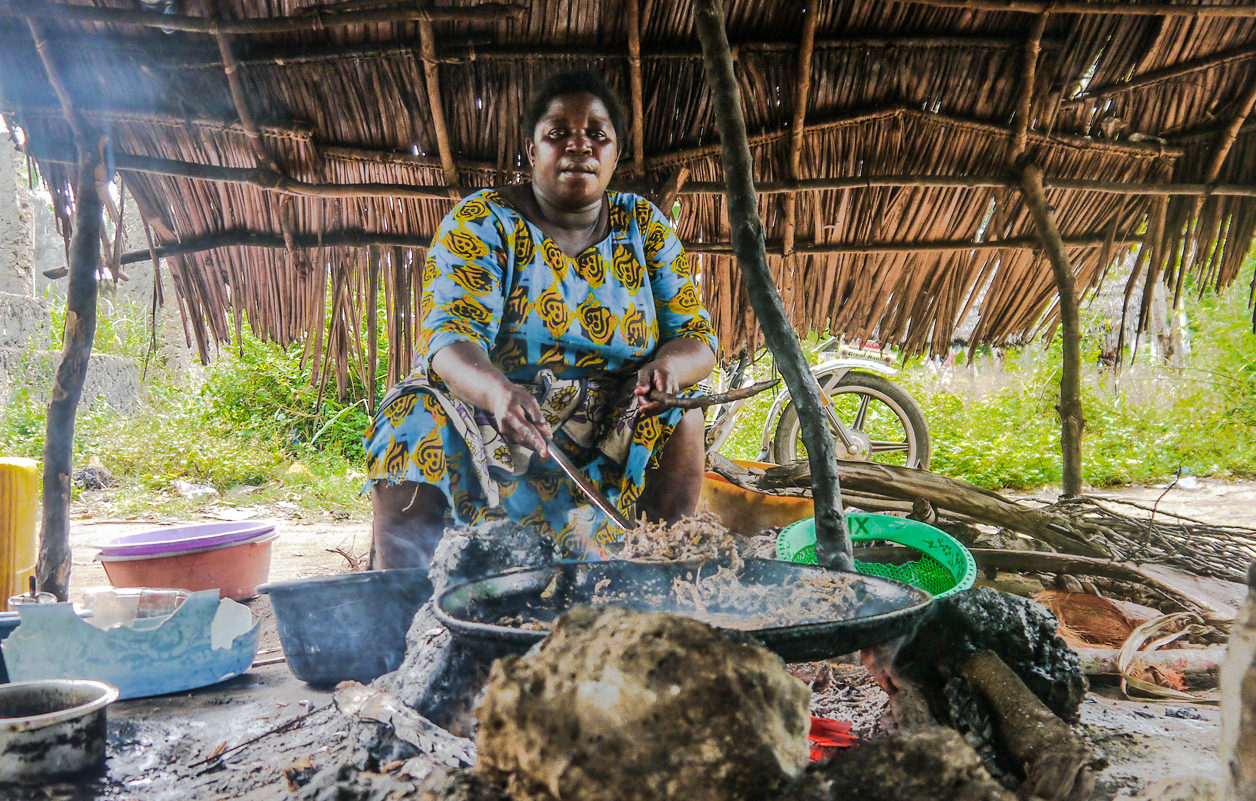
(881, 609)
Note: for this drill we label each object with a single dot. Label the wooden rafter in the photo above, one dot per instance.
(239, 98)
(802, 91)
(310, 20)
(1097, 8)
(264, 179)
(636, 91)
(1170, 73)
(431, 74)
(1025, 101)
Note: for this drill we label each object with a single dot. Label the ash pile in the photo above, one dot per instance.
(616, 704)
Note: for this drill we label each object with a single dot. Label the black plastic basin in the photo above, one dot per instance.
(347, 628)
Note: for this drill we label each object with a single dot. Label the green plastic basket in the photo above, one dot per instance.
(944, 568)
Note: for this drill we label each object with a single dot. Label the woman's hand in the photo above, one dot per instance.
(471, 377)
(677, 363)
(658, 374)
(519, 418)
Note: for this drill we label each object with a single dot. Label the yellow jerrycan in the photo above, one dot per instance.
(19, 506)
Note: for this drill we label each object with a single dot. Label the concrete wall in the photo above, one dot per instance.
(30, 244)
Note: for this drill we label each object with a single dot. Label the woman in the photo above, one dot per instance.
(550, 309)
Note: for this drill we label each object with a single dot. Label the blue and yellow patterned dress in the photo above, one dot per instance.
(493, 278)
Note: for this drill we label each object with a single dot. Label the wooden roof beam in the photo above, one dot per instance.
(264, 179)
(864, 116)
(1096, 8)
(310, 19)
(1185, 68)
(942, 246)
(636, 91)
(161, 117)
(240, 100)
(802, 92)
(431, 77)
(365, 239)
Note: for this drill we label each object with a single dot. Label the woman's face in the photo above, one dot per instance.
(574, 149)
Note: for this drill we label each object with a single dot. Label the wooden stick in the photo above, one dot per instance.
(957, 497)
(67, 389)
(432, 76)
(311, 19)
(372, 326)
(1041, 562)
(1227, 135)
(240, 100)
(829, 249)
(714, 399)
(1025, 101)
(252, 239)
(832, 538)
(1181, 70)
(359, 239)
(802, 91)
(1072, 419)
(636, 91)
(667, 194)
(1098, 8)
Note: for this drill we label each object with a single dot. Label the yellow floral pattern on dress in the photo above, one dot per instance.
(430, 457)
(555, 259)
(634, 327)
(591, 267)
(493, 278)
(598, 322)
(627, 269)
(554, 311)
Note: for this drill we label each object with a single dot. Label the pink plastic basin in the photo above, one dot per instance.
(177, 539)
(234, 570)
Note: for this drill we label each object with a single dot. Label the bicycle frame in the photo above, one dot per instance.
(827, 374)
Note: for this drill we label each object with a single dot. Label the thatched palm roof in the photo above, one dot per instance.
(923, 101)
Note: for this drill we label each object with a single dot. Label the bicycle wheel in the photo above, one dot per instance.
(880, 413)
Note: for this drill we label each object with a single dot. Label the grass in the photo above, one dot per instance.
(255, 432)
(1001, 431)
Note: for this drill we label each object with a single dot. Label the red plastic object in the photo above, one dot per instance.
(234, 570)
(828, 734)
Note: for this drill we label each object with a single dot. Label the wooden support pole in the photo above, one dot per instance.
(431, 74)
(1227, 135)
(311, 20)
(802, 91)
(372, 327)
(67, 389)
(53, 568)
(1072, 419)
(636, 91)
(832, 540)
(1096, 8)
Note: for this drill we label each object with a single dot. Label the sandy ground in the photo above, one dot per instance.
(1143, 742)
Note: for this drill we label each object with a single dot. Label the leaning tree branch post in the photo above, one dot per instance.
(832, 539)
(1072, 420)
(53, 568)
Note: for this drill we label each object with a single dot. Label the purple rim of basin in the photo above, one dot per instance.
(183, 538)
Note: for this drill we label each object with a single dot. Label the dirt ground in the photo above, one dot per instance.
(157, 745)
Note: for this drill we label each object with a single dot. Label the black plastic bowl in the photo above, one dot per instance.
(347, 628)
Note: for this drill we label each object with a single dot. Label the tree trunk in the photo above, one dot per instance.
(67, 388)
(832, 539)
(1072, 420)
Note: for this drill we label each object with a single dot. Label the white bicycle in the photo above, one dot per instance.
(872, 418)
